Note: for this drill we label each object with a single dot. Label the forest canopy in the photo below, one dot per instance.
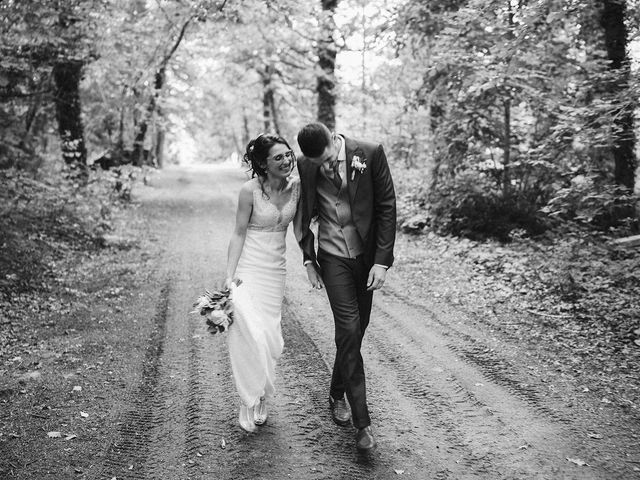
(500, 118)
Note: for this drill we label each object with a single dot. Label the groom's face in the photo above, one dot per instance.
(329, 154)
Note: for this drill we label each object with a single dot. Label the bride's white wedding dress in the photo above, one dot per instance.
(255, 338)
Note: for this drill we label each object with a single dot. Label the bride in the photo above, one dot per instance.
(256, 256)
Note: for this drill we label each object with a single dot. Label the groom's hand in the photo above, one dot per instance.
(377, 275)
(314, 277)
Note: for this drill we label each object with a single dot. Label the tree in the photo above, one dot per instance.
(48, 40)
(517, 106)
(327, 51)
(67, 75)
(256, 73)
(615, 37)
(158, 84)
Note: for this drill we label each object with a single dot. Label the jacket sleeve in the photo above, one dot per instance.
(384, 208)
(301, 221)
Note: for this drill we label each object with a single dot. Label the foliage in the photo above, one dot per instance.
(470, 204)
(270, 56)
(516, 87)
(37, 37)
(44, 217)
(590, 202)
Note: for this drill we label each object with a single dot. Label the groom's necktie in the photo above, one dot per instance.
(336, 179)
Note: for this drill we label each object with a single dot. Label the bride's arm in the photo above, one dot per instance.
(243, 214)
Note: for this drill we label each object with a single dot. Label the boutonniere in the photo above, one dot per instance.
(359, 164)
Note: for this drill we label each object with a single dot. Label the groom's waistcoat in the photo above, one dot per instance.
(337, 233)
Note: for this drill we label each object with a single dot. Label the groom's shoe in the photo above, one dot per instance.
(365, 441)
(340, 411)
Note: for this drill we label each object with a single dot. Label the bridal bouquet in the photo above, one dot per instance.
(217, 308)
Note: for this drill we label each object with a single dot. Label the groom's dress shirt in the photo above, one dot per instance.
(337, 233)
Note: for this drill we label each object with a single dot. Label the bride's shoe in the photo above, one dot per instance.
(245, 417)
(260, 412)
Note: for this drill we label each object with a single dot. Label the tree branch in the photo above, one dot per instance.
(8, 96)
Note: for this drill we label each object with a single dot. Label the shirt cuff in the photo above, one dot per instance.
(307, 262)
(386, 267)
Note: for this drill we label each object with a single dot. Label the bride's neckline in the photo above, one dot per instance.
(279, 193)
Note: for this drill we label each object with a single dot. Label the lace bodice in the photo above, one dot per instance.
(268, 217)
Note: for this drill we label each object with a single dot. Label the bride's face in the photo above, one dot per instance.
(280, 161)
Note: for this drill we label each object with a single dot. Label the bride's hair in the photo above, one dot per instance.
(258, 151)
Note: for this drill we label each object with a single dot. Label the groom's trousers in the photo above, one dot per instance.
(345, 280)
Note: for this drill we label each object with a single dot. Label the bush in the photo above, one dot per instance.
(471, 205)
(589, 201)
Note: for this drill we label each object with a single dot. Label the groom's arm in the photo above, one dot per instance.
(304, 235)
(384, 208)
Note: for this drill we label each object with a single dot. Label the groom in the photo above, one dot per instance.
(347, 185)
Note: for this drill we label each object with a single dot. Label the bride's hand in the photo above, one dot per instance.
(228, 281)
(314, 277)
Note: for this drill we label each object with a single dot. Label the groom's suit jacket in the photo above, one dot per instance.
(371, 197)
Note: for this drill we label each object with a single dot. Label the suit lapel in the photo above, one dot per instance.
(351, 148)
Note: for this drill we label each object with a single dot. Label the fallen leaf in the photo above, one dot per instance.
(637, 341)
(398, 472)
(32, 375)
(77, 388)
(84, 414)
(70, 437)
(223, 444)
(605, 400)
(597, 436)
(130, 467)
(577, 461)
(54, 434)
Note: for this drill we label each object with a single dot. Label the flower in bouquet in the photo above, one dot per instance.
(217, 308)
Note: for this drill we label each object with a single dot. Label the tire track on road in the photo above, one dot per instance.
(472, 349)
(491, 422)
(130, 447)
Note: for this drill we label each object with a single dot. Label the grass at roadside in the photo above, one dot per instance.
(76, 316)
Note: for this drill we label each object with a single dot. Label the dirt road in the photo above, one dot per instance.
(442, 402)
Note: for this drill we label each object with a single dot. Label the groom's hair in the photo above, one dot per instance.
(313, 138)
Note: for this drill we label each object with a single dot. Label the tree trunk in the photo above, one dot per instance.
(274, 116)
(506, 158)
(615, 33)
(267, 99)
(160, 147)
(327, 51)
(138, 143)
(246, 133)
(363, 69)
(67, 77)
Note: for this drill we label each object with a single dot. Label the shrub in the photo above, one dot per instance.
(471, 205)
(589, 201)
